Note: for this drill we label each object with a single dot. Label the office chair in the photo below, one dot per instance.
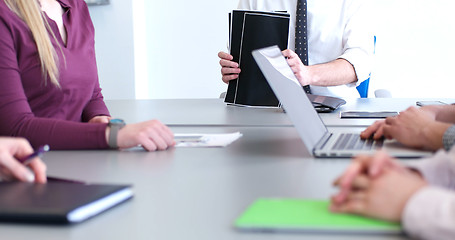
(363, 87)
(382, 93)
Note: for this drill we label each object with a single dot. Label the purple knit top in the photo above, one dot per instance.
(38, 110)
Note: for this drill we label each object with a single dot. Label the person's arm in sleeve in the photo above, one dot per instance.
(438, 170)
(247, 4)
(353, 66)
(17, 119)
(430, 213)
(358, 39)
(448, 139)
(386, 190)
(96, 111)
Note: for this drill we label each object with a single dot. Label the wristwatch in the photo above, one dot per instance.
(115, 125)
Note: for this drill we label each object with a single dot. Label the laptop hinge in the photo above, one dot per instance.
(323, 141)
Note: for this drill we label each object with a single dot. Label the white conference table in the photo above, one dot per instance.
(214, 112)
(192, 193)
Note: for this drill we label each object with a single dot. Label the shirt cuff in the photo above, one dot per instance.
(449, 138)
(361, 63)
(430, 214)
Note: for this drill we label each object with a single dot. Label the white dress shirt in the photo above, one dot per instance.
(430, 213)
(336, 29)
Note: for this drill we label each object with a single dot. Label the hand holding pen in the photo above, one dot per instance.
(17, 159)
(37, 154)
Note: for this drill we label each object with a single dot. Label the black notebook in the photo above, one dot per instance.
(251, 30)
(58, 202)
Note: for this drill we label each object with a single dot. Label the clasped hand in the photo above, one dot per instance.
(376, 186)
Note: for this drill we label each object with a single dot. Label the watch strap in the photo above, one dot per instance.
(115, 126)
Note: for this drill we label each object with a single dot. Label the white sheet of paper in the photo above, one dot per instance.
(205, 140)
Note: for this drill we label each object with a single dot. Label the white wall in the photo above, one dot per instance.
(415, 48)
(176, 43)
(182, 39)
(114, 43)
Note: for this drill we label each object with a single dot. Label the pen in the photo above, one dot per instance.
(38, 153)
(26, 160)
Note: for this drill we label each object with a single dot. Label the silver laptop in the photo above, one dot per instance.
(318, 140)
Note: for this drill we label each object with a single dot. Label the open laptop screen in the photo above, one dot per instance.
(291, 94)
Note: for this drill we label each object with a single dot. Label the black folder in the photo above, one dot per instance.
(251, 30)
(58, 202)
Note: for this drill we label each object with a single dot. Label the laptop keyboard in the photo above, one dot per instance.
(352, 141)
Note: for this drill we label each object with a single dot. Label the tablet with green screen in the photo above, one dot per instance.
(312, 216)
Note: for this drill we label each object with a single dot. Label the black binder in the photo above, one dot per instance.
(251, 30)
(58, 202)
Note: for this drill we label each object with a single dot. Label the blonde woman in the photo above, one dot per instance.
(49, 89)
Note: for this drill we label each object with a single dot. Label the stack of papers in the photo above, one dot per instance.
(206, 140)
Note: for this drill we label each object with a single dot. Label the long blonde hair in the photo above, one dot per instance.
(30, 12)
